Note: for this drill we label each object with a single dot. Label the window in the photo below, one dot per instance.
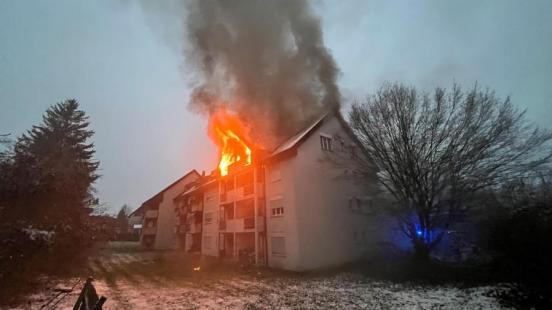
(278, 246)
(354, 204)
(362, 205)
(276, 207)
(277, 211)
(208, 217)
(325, 143)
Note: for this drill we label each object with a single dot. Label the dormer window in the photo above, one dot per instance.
(325, 143)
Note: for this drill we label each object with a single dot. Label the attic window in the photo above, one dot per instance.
(326, 143)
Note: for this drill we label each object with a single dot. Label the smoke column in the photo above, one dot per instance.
(265, 60)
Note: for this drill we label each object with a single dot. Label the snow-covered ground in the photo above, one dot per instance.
(145, 281)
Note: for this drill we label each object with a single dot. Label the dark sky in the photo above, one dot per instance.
(125, 68)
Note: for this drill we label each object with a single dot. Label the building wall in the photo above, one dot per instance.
(280, 184)
(321, 224)
(165, 237)
(209, 244)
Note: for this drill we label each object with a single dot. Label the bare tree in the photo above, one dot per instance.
(433, 152)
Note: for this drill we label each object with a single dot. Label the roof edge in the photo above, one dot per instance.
(193, 171)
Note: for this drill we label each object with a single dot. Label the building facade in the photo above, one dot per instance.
(159, 222)
(296, 208)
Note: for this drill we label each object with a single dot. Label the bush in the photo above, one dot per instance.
(520, 240)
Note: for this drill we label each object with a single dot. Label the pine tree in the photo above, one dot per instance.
(55, 166)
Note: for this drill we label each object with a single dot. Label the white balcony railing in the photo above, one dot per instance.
(242, 224)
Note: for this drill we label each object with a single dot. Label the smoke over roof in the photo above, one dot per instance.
(264, 60)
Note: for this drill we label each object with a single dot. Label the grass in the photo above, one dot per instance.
(131, 278)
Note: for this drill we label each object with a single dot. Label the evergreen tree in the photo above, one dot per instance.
(122, 219)
(53, 167)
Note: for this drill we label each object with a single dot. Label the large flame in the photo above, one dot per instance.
(230, 135)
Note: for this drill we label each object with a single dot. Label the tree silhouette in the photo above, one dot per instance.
(432, 153)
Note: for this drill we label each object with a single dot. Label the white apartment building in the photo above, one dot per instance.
(158, 215)
(295, 208)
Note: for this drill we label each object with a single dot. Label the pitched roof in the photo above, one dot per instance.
(202, 182)
(158, 195)
(139, 211)
(297, 138)
(289, 147)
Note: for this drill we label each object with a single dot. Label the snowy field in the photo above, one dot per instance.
(155, 281)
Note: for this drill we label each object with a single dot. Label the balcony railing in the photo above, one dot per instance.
(241, 224)
(248, 189)
(198, 217)
(194, 228)
(182, 229)
(248, 223)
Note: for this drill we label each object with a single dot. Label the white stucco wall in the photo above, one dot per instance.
(165, 237)
(319, 224)
(280, 184)
(209, 242)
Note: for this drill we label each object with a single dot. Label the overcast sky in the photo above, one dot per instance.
(125, 68)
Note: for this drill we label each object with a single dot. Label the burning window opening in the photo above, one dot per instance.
(230, 135)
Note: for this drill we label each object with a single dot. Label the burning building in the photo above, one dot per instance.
(261, 74)
(289, 208)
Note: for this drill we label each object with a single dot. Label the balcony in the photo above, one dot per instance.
(195, 217)
(149, 230)
(196, 207)
(241, 224)
(249, 223)
(151, 214)
(248, 189)
(182, 229)
(227, 196)
(193, 228)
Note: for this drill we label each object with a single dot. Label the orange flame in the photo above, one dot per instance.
(230, 135)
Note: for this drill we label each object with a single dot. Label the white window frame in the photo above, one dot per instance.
(276, 211)
(326, 142)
